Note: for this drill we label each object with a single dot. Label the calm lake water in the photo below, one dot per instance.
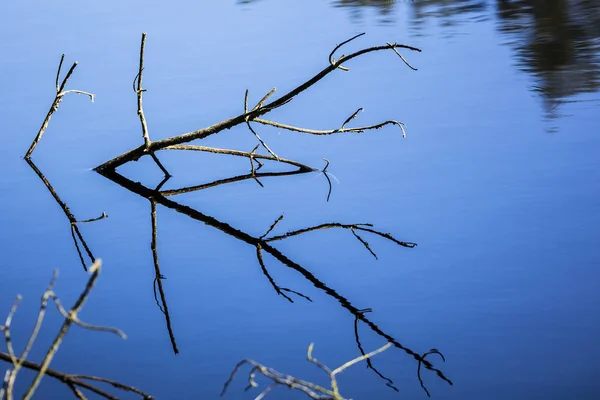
(497, 181)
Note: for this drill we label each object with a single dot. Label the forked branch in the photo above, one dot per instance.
(253, 114)
(312, 390)
(60, 93)
(74, 382)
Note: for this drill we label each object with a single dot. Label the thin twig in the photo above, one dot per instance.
(337, 63)
(139, 90)
(158, 277)
(95, 271)
(360, 129)
(389, 383)
(239, 153)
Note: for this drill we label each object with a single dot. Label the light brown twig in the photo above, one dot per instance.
(60, 93)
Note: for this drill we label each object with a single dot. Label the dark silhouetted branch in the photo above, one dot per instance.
(267, 247)
(388, 382)
(75, 232)
(159, 277)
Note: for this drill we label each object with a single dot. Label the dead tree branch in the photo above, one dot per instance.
(74, 382)
(310, 389)
(139, 90)
(60, 93)
(238, 153)
(251, 115)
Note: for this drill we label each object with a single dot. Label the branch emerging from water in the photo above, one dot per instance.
(70, 317)
(60, 93)
(255, 113)
(310, 389)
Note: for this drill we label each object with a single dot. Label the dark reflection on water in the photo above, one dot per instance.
(264, 245)
(558, 42)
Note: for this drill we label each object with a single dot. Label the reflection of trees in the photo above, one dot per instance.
(383, 7)
(448, 13)
(265, 245)
(557, 41)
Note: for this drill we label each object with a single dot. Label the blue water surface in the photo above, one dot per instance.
(497, 181)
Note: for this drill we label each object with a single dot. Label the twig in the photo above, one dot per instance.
(332, 131)
(389, 383)
(432, 351)
(337, 63)
(71, 317)
(277, 288)
(324, 171)
(226, 181)
(140, 110)
(310, 389)
(273, 225)
(158, 277)
(352, 227)
(239, 153)
(71, 379)
(60, 93)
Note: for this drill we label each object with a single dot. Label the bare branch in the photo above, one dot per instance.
(337, 63)
(104, 215)
(95, 271)
(60, 93)
(74, 382)
(247, 116)
(360, 129)
(262, 101)
(310, 389)
(278, 220)
(139, 90)
(400, 55)
(239, 153)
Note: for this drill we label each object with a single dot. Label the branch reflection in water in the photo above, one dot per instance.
(264, 244)
(74, 222)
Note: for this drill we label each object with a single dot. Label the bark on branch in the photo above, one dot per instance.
(250, 115)
(60, 94)
(74, 382)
